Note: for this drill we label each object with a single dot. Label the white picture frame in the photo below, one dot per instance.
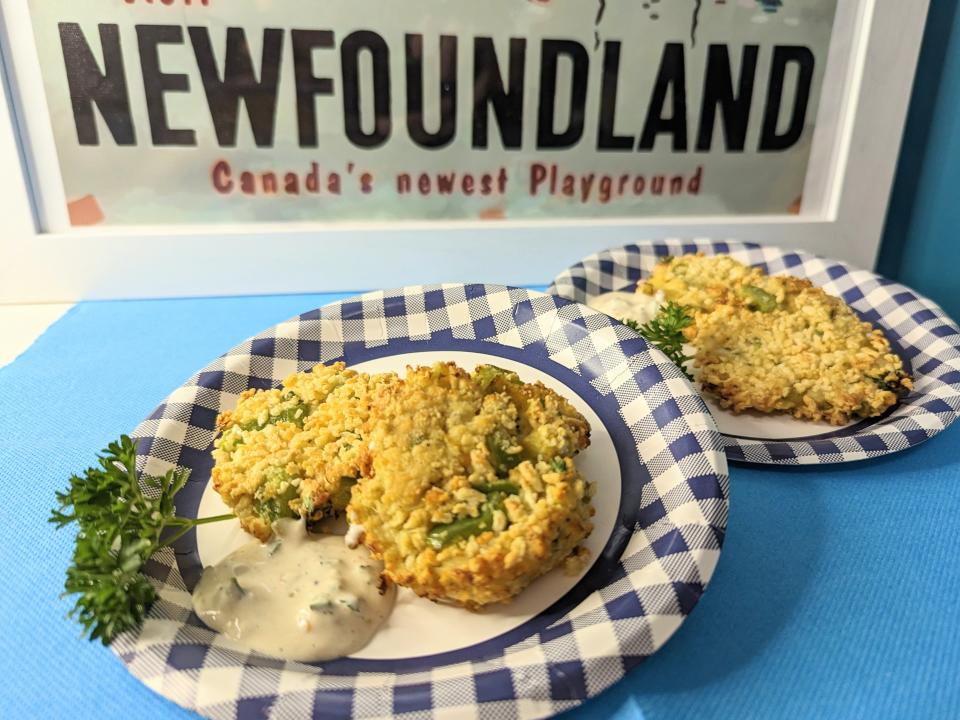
(872, 60)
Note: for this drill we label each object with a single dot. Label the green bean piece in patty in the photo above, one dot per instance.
(443, 535)
(499, 444)
(295, 415)
(759, 299)
(505, 487)
(279, 506)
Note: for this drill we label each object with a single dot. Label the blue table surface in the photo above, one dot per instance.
(836, 594)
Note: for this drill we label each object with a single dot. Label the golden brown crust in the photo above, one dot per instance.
(778, 344)
(428, 462)
(295, 449)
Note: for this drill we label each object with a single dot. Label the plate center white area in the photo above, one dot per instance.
(419, 627)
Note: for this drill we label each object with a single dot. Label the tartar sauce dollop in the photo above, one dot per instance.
(298, 596)
(628, 305)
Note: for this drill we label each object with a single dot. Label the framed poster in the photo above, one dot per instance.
(184, 147)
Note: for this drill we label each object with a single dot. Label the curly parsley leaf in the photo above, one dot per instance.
(119, 527)
(665, 332)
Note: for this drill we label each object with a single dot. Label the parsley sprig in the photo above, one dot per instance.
(665, 332)
(119, 528)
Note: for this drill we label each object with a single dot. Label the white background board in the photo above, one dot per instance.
(870, 71)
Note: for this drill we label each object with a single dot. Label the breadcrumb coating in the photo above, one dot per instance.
(779, 344)
(293, 451)
(468, 490)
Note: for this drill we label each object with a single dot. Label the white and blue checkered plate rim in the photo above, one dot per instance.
(917, 326)
(669, 554)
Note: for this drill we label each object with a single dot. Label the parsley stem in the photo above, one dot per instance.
(188, 524)
(212, 518)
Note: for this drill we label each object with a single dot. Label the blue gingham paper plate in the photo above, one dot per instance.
(918, 330)
(662, 500)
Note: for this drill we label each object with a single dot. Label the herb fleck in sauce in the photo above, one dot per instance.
(300, 597)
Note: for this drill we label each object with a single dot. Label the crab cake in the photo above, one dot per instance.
(778, 344)
(469, 491)
(698, 282)
(293, 451)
